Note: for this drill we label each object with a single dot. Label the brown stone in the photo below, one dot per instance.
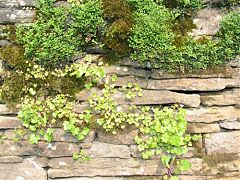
(17, 3)
(213, 114)
(16, 16)
(223, 142)
(7, 122)
(27, 170)
(193, 84)
(4, 110)
(67, 167)
(230, 97)
(125, 136)
(217, 72)
(122, 81)
(105, 150)
(128, 62)
(233, 125)
(235, 62)
(11, 159)
(202, 128)
(126, 71)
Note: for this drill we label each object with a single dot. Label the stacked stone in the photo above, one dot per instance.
(211, 97)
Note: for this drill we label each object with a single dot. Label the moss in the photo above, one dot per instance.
(118, 14)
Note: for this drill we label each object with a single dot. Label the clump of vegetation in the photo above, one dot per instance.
(59, 33)
(118, 15)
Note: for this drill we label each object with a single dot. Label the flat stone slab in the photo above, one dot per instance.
(232, 125)
(229, 97)
(213, 114)
(7, 122)
(27, 170)
(16, 16)
(67, 167)
(202, 128)
(223, 142)
(193, 84)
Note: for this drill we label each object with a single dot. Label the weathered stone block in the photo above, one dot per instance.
(231, 125)
(67, 167)
(4, 110)
(230, 97)
(223, 142)
(27, 170)
(202, 128)
(16, 16)
(17, 3)
(190, 84)
(105, 150)
(123, 81)
(126, 136)
(7, 122)
(213, 114)
(11, 159)
(217, 72)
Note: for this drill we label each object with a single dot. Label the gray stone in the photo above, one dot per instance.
(207, 21)
(11, 159)
(16, 16)
(233, 125)
(202, 128)
(17, 3)
(235, 62)
(105, 150)
(134, 151)
(4, 43)
(23, 148)
(125, 136)
(223, 142)
(7, 122)
(67, 167)
(217, 72)
(126, 71)
(4, 110)
(229, 97)
(27, 170)
(193, 84)
(128, 62)
(213, 114)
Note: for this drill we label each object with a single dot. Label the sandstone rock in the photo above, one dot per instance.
(125, 136)
(67, 167)
(202, 128)
(23, 148)
(230, 97)
(193, 84)
(7, 122)
(4, 110)
(11, 159)
(94, 178)
(235, 62)
(17, 3)
(207, 21)
(80, 107)
(232, 125)
(134, 151)
(213, 114)
(126, 71)
(28, 170)
(104, 150)
(217, 72)
(16, 16)
(223, 142)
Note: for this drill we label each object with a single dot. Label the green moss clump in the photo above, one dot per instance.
(118, 14)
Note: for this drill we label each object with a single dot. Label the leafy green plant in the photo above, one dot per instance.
(59, 33)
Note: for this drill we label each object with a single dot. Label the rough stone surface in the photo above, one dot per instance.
(124, 71)
(125, 136)
(16, 16)
(104, 150)
(11, 159)
(235, 62)
(67, 167)
(17, 3)
(27, 170)
(218, 72)
(4, 110)
(207, 21)
(202, 128)
(223, 142)
(193, 84)
(213, 114)
(23, 148)
(122, 81)
(231, 97)
(8, 122)
(232, 125)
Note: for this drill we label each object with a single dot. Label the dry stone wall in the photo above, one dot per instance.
(211, 97)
